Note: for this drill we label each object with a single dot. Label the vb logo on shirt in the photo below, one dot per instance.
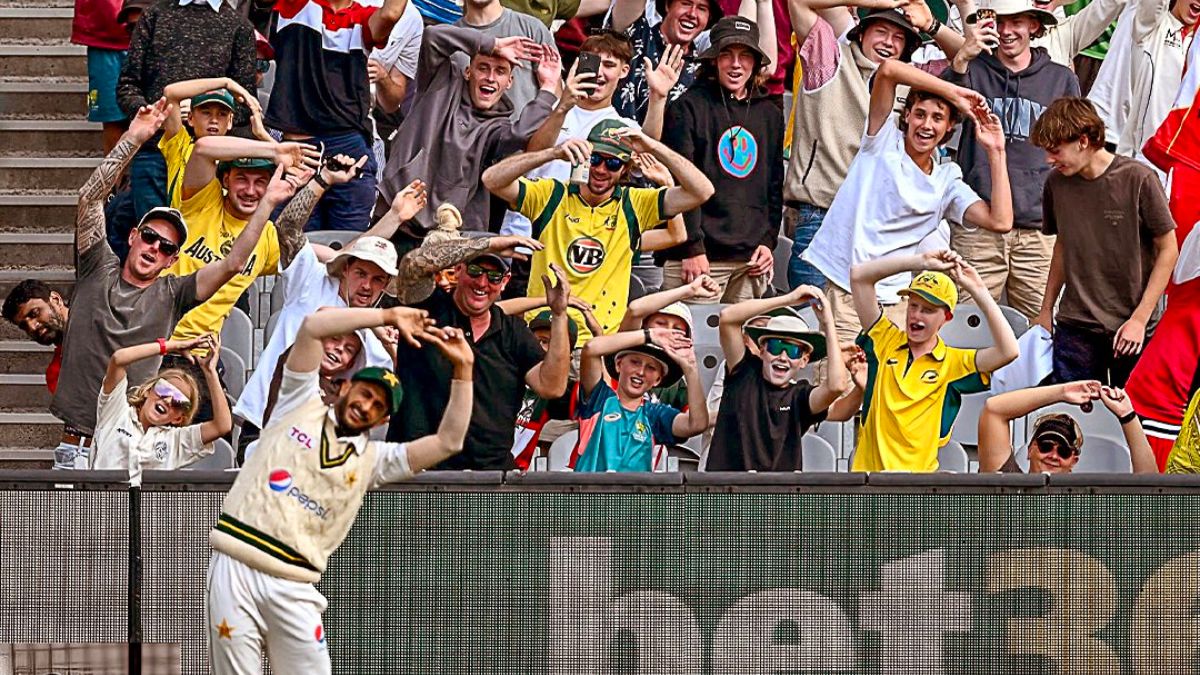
(585, 255)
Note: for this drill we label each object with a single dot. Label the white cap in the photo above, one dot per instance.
(372, 249)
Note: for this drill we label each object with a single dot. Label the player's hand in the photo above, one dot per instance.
(409, 322)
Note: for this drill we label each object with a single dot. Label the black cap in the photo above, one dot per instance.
(912, 38)
(734, 30)
(500, 260)
(172, 216)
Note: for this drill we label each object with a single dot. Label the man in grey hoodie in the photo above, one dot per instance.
(462, 122)
(1018, 82)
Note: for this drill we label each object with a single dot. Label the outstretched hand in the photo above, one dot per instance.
(348, 171)
(149, 119)
(284, 184)
(290, 153)
(558, 296)
(506, 245)
(1081, 392)
(1117, 402)
(410, 200)
(704, 287)
(452, 343)
(410, 323)
(516, 49)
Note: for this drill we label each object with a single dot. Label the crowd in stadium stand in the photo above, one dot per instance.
(626, 235)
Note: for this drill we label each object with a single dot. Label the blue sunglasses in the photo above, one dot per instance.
(610, 163)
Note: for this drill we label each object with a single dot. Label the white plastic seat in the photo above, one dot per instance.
(270, 328)
(710, 359)
(221, 459)
(952, 457)
(818, 454)
(235, 372)
(706, 324)
(238, 335)
(782, 255)
(334, 239)
(560, 451)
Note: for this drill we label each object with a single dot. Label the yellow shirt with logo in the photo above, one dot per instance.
(211, 233)
(909, 408)
(176, 150)
(594, 246)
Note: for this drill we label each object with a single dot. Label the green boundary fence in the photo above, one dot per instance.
(795, 573)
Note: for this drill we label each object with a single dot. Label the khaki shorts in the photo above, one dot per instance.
(733, 277)
(1014, 264)
(846, 319)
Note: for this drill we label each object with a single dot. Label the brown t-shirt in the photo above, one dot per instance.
(1107, 228)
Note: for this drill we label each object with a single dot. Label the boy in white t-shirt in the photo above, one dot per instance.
(897, 194)
(150, 427)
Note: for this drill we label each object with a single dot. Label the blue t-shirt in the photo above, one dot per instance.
(613, 438)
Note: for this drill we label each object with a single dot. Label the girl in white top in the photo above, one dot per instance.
(151, 427)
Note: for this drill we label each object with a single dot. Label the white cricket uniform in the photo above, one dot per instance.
(290, 508)
(122, 443)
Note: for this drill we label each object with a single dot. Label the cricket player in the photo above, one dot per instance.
(295, 499)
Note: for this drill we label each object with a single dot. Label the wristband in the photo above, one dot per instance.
(162, 346)
(934, 27)
(320, 181)
(1127, 418)
(646, 333)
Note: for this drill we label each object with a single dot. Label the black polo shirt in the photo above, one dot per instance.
(503, 356)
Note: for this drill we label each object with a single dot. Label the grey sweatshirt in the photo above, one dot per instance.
(446, 142)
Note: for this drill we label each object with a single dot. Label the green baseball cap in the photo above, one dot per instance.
(221, 96)
(251, 163)
(605, 141)
(543, 319)
(386, 379)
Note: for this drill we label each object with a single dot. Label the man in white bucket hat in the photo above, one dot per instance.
(355, 277)
(766, 407)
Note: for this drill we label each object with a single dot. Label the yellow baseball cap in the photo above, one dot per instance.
(935, 288)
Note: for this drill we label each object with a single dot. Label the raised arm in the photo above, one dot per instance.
(995, 438)
(762, 12)
(660, 79)
(703, 288)
(124, 357)
(591, 366)
(804, 13)
(676, 231)
(289, 226)
(1140, 453)
(308, 351)
(1146, 18)
(548, 379)
(380, 23)
(864, 276)
(625, 13)
(1004, 350)
(694, 187)
(734, 316)
(415, 279)
(429, 451)
(176, 92)
(578, 85)
(695, 419)
(996, 216)
(891, 73)
(89, 215)
(1087, 25)
(222, 420)
(501, 179)
(947, 39)
(837, 378)
(202, 166)
(214, 275)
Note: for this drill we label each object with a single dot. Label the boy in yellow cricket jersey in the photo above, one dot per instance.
(915, 382)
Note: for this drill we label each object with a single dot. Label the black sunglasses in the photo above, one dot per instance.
(494, 276)
(611, 163)
(150, 237)
(1047, 446)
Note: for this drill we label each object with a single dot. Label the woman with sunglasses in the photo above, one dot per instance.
(1056, 441)
(150, 428)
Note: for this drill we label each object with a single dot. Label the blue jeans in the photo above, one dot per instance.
(346, 206)
(148, 179)
(807, 224)
(1087, 354)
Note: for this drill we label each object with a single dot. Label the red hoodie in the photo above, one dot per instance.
(95, 25)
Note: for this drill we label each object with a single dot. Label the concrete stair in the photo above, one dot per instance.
(47, 150)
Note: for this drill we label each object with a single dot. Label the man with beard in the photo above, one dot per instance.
(298, 495)
(766, 408)
(619, 426)
(916, 381)
(42, 313)
(122, 304)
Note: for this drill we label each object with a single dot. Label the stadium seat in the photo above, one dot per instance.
(818, 454)
(221, 459)
(782, 255)
(277, 299)
(834, 435)
(709, 359)
(706, 322)
(969, 330)
(238, 335)
(966, 425)
(952, 457)
(637, 288)
(235, 371)
(560, 451)
(334, 239)
(1104, 454)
